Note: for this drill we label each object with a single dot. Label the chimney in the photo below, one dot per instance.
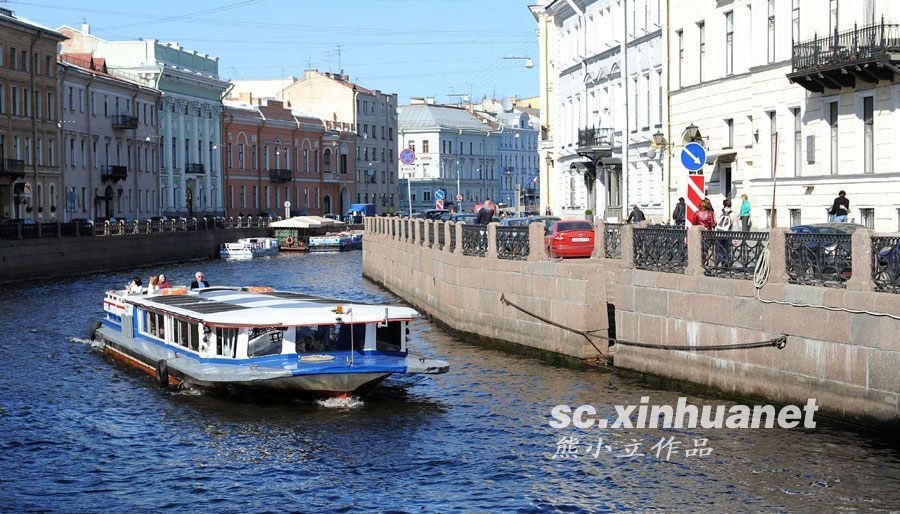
(246, 98)
(429, 100)
(416, 100)
(85, 27)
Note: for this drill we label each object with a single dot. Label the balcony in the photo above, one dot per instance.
(112, 173)
(12, 168)
(123, 121)
(280, 175)
(195, 168)
(868, 54)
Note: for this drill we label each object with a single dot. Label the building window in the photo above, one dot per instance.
(729, 42)
(14, 99)
(833, 125)
(798, 140)
(867, 218)
(795, 217)
(327, 163)
(51, 107)
(702, 55)
(771, 31)
(424, 146)
(769, 216)
(729, 133)
(241, 156)
(868, 134)
(412, 145)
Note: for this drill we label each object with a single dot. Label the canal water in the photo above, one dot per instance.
(80, 432)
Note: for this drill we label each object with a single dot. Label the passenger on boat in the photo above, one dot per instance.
(163, 282)
(153, 285)
(135, 286)
(199, 283)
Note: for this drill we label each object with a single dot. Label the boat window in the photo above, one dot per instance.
(265, 341)
(154, 325)
(226, 341)
(389, 338)
(330, 338)
(186, 335)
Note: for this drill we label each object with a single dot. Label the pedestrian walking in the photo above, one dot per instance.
(636, 215)
(745, 213)
(705, 217)
(840, 208)
(678, 215)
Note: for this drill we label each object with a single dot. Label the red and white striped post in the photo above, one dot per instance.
(695, 188)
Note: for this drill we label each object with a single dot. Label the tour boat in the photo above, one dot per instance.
(337, 242)
(257, 338)
(249, 248)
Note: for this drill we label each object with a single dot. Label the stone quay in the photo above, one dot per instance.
(668, 286)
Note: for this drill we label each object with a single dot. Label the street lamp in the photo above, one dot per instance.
(692, 134)
(528, 62)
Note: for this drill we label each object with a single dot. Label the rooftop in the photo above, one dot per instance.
(434, 116)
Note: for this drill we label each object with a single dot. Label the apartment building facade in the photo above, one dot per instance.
(275, 155)
(189, 115)
(109, 151)
(30, 178)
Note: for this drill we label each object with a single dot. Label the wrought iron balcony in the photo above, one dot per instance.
(195, 167)
(124, 121)
(12, 168)
(869, 53)
(277, 175)
(596, 138)
(113, 173)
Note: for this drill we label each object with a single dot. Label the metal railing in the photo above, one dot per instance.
(660, 249)
(430, 229)
(886, 263)
(420, 232)
(13, 231)
(280, 175)
(441, 234)
(195, 167)
(124, 121)
(819, 259)
(113, 172)
(731, 254)
(595, 137)
(613, 240)
(452, 247)
(513, 243)
(850, 46)
(475, 240)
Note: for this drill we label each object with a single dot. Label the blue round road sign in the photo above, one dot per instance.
(693, 156)
(439, 194)
(407, 156)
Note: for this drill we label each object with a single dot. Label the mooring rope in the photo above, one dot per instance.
(778, 342)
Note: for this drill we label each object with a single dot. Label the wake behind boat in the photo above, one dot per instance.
(258, 338)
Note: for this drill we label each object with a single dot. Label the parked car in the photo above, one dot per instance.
(466, 218)
(332, 216)
(815, 258)
(570, 238)
(436, 214)
(547, 221)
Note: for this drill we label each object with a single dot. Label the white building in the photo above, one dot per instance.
(597, 57)
(456, 151)
(190, 114)
(829, 107)
(518, 154)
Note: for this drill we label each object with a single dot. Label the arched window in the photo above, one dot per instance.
(343, 159)
(327, 159)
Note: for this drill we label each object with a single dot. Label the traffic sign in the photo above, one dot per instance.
(408, 156)
(693, 156)
(438, 204)
(439, 194)
(695, 193)
(458, 198)
(407, 170)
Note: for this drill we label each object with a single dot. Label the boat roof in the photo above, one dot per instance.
(238, 308)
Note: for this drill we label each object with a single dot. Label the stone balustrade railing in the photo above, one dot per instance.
(19, 231)
(864, 261)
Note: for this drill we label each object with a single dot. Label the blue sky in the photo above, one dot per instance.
(410, 47)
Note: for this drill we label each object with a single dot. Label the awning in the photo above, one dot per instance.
(307, 222)
(723, 156)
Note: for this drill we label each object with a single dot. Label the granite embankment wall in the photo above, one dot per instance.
(60, 256)
(847, 361)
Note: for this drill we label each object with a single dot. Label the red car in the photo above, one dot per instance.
(569, 238)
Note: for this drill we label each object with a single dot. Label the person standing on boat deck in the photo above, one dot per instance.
(200, 282)
(163, 282)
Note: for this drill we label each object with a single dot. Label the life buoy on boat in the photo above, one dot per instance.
(173, 290)
(289, 240)
(93, 331)
(162, 373)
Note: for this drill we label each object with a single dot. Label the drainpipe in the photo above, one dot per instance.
(33, 117)
(134, 154)
(626, 133)
(62, 145)
(667, 200)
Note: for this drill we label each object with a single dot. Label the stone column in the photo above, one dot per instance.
(695, 251)
(626, 240)
(491, 240)
(861, 246)
(599, 240)
(459, 238)
(777, 257)
(536, 249)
